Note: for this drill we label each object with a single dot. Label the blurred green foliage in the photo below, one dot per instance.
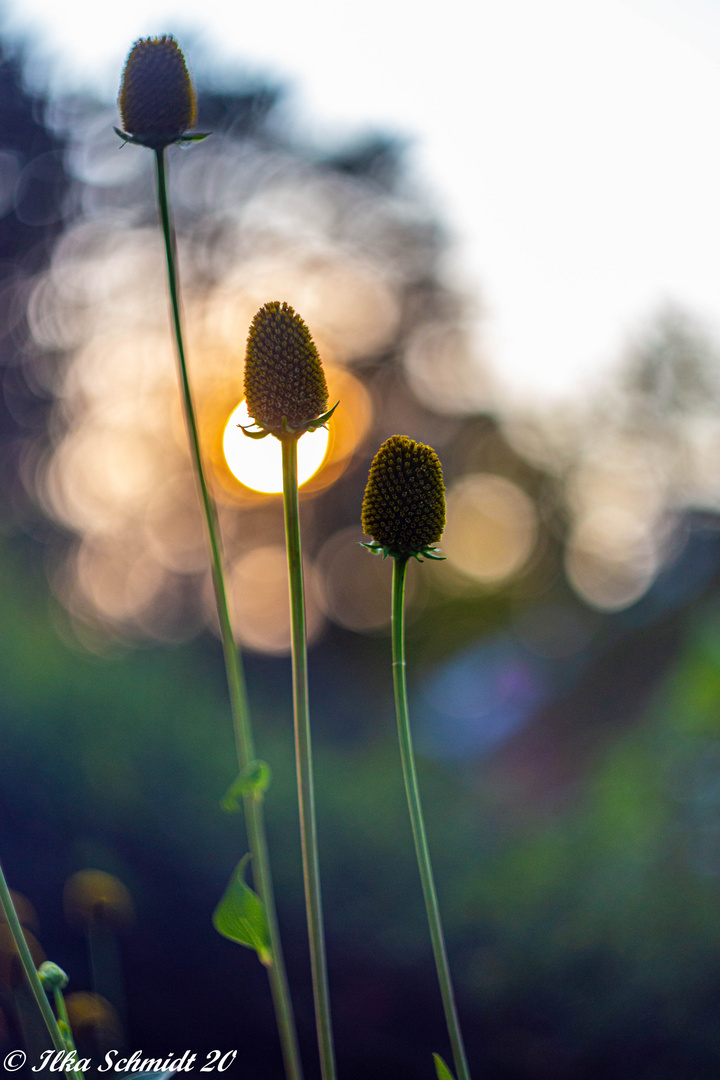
(583, 929)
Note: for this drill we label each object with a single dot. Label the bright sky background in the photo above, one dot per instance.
(572, 146)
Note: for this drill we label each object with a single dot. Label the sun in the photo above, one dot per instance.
(257, 463)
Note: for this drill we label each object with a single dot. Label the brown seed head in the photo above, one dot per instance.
(157, 98)
(404, 505)
(283, 373)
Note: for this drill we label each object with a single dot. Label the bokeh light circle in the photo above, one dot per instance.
(261, 606)
(491, 527)
(257, 463)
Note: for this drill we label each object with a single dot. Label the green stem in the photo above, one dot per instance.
(416, 818)
(62, 1015)
(236, 681)
(28, 965)
(303, 754)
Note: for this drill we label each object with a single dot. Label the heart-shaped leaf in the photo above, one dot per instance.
(443, 1073)
(240, 915)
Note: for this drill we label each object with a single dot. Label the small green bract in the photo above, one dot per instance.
(157, 98)
(404, 505)
(285, 386)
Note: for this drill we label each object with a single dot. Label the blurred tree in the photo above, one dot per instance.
(673, 370)
(33, 190)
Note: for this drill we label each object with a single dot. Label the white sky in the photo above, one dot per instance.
(571, 145)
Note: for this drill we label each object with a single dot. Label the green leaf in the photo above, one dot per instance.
(443, 1073)
(240, 916)
(254, 780)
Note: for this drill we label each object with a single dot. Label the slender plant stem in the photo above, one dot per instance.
(416, 818)
(303, 755)
(61, 1011)
(244, 743)
(62, 1015)
(30, 970)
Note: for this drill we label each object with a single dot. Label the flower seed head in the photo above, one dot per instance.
(157, 98)
(404, 505)
(283, 374)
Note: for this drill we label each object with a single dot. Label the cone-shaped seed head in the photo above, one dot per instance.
(157, 98)
(404, 504)
(283, 373)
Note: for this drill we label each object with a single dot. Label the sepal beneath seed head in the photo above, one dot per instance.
(382, 549)
(321, 421)
(152, 143)
(261, 433)
(285, 431)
